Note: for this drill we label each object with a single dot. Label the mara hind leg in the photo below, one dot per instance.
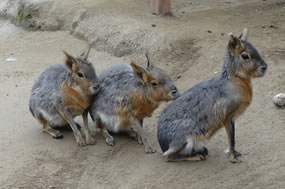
(192, 157)
(48, 129)
(172, 155)
(199, 148)
(193, 151)
(184, 152)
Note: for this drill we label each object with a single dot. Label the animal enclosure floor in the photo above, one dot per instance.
(30, 158)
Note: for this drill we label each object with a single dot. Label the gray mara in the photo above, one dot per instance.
(63, 92)
(210, 105)
(128, 94)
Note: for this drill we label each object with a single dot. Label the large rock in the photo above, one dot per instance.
(32, 14)
(121, 28)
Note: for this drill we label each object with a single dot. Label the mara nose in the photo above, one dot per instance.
(264, 68)
(174, 91)
(96, 87)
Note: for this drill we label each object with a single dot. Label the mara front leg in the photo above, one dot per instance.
(68, 117)
(85, 129)
(104, 132)
(138, 125)
(233, 154)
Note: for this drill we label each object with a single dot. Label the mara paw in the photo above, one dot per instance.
(80, 141)
(110, 141)
(90, 141)
(149, 150)
(57, 135)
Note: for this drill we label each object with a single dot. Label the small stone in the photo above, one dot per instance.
(11, 59)
(209, 31)
(178, 77)
(279, 100)
(153, 25)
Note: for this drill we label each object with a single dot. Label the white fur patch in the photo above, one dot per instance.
(54, 120)
(199, 145)
(189, 146)
(112, 122)
(92, 90)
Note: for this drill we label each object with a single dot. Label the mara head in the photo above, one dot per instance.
(82, 73)
(246, 61)
(157, 84)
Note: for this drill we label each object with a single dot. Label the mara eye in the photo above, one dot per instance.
(154, 84)
(244, 56)
(79, 74)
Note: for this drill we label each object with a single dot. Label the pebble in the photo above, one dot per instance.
(11, 59)
(279, 99)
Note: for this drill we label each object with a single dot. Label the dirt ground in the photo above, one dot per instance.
(197, 32)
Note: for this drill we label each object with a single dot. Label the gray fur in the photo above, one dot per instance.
(117, 86)
(204, 108)
(48, 103)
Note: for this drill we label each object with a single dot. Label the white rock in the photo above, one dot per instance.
(11, 59)
(279, 99)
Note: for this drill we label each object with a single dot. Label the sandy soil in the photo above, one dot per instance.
(30, 158)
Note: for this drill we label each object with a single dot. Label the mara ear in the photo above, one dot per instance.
(85, 54)
(70, 62)
(139, 73)
(234, 44)
(149, 62)
(244, 35)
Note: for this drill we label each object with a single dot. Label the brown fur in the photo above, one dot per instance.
(74, 100)
(142, 107)
(244, 88)
(126, 120)
(43, 122)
